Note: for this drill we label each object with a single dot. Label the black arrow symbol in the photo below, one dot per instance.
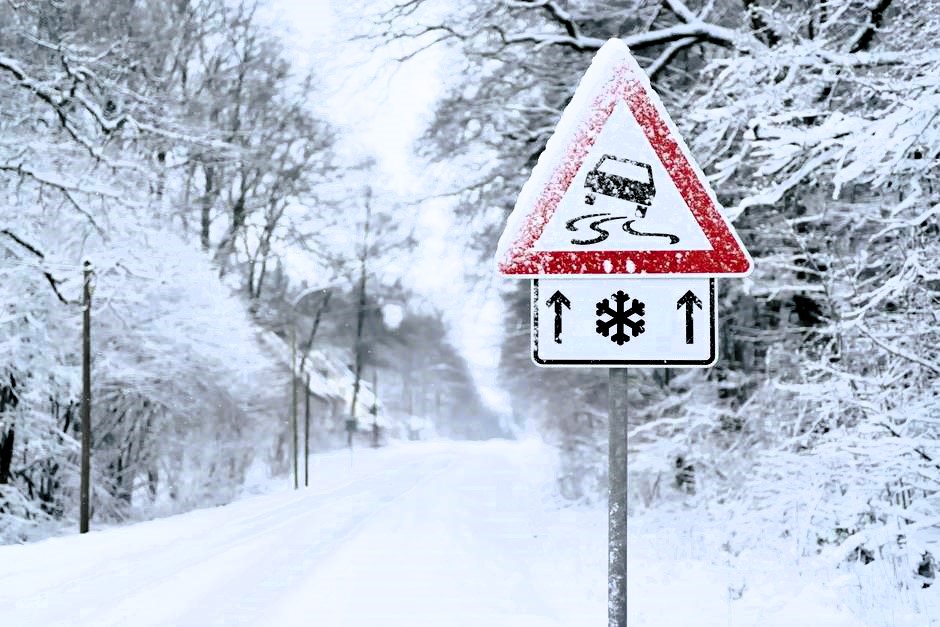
(558, 300)
(690, 300)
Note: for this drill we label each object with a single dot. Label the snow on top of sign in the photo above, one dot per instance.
(612, 77)
(580, 108)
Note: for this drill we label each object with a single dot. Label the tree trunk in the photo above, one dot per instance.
(207, 208)
(361, 310)
(153, 482)
(8, 400)
(6, 454)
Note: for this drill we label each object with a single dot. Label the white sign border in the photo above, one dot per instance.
(628, 363)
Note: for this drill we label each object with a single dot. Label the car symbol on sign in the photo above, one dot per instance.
(624, 179)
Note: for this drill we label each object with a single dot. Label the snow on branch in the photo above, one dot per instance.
(691, 27)
(57, 99)
(53, 282)
(699, 30)
(557, 13)
(866, 33)
(51, 180)
(894, 350)
(53, 98)
(908, 58)
(666, 55)
(696, 31)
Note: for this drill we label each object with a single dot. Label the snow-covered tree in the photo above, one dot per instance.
(817, 125)
(97, 153)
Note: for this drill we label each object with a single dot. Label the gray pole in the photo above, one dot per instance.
(375, 409)
(617, 499)
(361, 311)
(293, 396)
(84, 488)
(307, 434)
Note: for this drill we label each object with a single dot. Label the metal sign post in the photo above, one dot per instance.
(623, 237)
(617, 498)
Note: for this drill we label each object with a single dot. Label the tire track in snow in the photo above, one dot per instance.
(280, 556)
(215, 537)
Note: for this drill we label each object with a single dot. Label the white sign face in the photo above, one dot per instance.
(622, 198)
(624, 321)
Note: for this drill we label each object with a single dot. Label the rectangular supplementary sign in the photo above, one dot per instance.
(623, 321)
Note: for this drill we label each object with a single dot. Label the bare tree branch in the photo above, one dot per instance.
(554, 11)
(53, 282)
(668, 54)
(935, 368)
(63, 185)
(862, 39)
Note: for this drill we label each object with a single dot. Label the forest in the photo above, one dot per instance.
(170, 145)
(817, 125)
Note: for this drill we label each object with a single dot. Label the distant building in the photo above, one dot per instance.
(331, 383)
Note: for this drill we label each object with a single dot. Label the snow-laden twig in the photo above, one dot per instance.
(894, 350)
(53, 282)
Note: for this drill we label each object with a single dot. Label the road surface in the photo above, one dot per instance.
(441, 534)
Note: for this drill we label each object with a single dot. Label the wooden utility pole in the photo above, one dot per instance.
(305, 353)
(617, 499)
(293, 397)
(85, 481)
(358, 348)
(375, 409)
(307, 433)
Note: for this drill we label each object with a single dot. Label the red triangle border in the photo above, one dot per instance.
(727, 256)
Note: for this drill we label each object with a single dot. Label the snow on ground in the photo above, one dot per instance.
(676, 577)
(421, 534)
(680, 572)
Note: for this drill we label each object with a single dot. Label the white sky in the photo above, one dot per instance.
(382, 107)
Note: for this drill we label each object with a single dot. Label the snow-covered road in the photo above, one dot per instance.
(443, 534)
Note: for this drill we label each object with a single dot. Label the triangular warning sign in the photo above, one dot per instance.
(616, 190)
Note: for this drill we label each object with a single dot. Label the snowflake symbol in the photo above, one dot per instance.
(621, 318)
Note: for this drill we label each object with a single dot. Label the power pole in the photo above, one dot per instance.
(375, 408)
(293, 389)
(305, 353)
(307, 434)
(617, 498)
(85, 481)
(360, 314)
